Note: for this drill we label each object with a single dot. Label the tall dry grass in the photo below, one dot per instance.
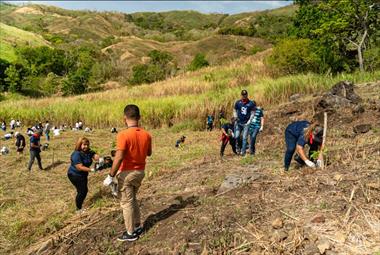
(186, 98)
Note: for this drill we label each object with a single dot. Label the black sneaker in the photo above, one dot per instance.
(138, 231)
(127, 237)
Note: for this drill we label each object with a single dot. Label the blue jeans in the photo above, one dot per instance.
(253, 134)
(291, 143)
(241, 129)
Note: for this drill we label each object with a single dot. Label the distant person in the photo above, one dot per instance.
(35, 150)
(18, 123)
(256, 126)
(113, 130)
(3, 126)
(243, 113)
(12, 124)
(80, 125)
(4, 150)
(180, 141)
(47, 130)
(81, 161)
(20, 143)
(56, 131)
(210, 122)
(29, 132)
(228, 137)
(134, 144)
(8, 136)
(297, 135)
(87, 130)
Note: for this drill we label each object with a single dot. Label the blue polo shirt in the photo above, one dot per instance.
(80, 157)
(297, 130)
(244, 110)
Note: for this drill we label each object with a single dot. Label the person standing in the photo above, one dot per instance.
(81, 161)
(3, 126)
(134, 144)
(35, 150)
(243, 114)
(47, 130)
(227, 137)
(210, 122)
(20, 143)
(256, 126)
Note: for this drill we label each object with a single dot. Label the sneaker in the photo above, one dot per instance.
(138, 231)
(127, 237)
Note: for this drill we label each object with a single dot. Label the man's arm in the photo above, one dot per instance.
(117, 162)
(301, 152)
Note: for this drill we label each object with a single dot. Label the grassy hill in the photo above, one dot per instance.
(12, 37)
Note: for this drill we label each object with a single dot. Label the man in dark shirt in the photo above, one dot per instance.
(35, 150)
(20, 143)
(243, 114)
(227, 136)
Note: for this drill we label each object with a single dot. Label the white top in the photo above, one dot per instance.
(56, 132)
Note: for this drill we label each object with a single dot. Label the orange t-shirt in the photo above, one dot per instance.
(135, 142)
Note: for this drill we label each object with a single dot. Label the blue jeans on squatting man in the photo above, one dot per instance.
(253, 134)
(291, 143)
(241, 129)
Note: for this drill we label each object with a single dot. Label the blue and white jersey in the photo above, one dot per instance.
(244, 110)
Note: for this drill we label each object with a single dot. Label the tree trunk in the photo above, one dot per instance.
(360, 57)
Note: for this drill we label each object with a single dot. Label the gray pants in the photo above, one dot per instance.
(33, 155)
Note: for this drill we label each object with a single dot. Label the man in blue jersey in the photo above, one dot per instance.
(256, 126)
(243, 114)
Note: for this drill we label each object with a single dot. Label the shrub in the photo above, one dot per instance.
(198, 62)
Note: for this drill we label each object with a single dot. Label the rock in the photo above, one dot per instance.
(340, 237)
(332, 101)
(323, 245)
(357, 109)
(234, 181)
(345, 89)
(280, 235)
(362, 128)
(319, 218)
(331, 253)
(277, 223)
(295, 97)
(338, 177)
(311, 249)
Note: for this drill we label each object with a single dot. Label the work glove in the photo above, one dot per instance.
(92, 170)
(319, 163)
(114, 189)
(261, 129)
(309, 163)
(108, 180)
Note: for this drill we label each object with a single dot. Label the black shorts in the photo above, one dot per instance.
(20, 149)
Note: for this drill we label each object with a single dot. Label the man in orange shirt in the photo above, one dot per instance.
(134, 144)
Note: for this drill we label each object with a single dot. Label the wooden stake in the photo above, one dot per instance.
(324, 138)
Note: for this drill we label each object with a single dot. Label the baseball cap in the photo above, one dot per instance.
(318, 134)
(244, 92)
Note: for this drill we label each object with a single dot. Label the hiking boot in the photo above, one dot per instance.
(138, 231)
(128, 237)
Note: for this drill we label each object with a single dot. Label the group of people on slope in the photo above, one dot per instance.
(248, 120)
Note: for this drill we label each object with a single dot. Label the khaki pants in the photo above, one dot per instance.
(129, 183)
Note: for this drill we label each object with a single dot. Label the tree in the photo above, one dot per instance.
(13, 79)
(198, 62)
(3, 66)
(338, 27)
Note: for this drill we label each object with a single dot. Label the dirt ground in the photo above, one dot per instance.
(303, 211)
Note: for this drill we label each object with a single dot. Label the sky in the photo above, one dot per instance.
(230, 7)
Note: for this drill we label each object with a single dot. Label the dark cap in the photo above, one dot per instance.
(318, 134)
(244, 92)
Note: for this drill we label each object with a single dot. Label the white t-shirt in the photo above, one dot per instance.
(56, 132)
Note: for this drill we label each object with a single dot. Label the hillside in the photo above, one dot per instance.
(12, 37)
(331, 211)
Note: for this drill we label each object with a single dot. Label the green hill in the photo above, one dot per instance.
(12, 37)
